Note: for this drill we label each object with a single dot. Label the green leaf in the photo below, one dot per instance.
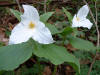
(81, 44)
(52, 28)
(1, 72)
(12, 56)
(56, 54)
(66, 31)
(16, 13)
(44, 17)
(68, 14)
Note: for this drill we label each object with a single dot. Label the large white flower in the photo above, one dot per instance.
(80, 19)
(30, 27)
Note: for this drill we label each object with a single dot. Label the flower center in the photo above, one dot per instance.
(31, 25)
(77, 19)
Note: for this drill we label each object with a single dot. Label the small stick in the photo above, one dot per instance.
(98, 35)
(17, 1)
(45, 5)
(55, 70)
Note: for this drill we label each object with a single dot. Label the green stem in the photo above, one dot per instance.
(39, 67)
(55, 70)
(64, 38)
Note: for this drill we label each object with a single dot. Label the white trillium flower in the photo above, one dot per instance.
(30, 27)
(80, 19)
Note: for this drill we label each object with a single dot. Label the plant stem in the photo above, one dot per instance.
(98, 33)
(39, 67)
(55, 70)
(45, 5)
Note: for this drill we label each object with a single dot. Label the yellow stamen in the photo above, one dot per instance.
(77, 19)
(31, 25)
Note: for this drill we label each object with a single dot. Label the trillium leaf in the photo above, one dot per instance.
(56, 54)
(16, 13)
(81, 44)
(66, 31)
(44, 17)
(12, 56)
(52, 28)
(68, 14)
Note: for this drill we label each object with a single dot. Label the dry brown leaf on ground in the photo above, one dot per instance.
(86, 61)
(2, 36)
(47, 71)
(70, 48)
(69, 70)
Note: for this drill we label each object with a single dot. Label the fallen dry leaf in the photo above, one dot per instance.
(47, 71)
(70, 48)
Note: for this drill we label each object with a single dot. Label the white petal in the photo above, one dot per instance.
(20, 34)
(21, 25)
(39, 24)
(86, 23)
(43, 36)
(30, 13)
(83, 12)
(74, 22)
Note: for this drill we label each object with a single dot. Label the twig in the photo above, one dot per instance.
(13, 4)
(17, 1)
(90, 11)
(94, 59)
(55, 70)
(29, 2)
(98, 35)
(45, 5)
(17, 72)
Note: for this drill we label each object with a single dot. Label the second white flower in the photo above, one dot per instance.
(80, 19)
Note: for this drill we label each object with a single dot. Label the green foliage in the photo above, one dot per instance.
(1, 44)
(16, 13)
(83, 55)
(34, 70)
(7, 32)
(84, 70)
(1, 72)
(44, 17)
(52, 28)
(68, 14)
(56, 54)
(12, 56)
(95, 70)
(84, 67)
(66, 31)
(7, 73)
(81, 44)
(3, 11)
